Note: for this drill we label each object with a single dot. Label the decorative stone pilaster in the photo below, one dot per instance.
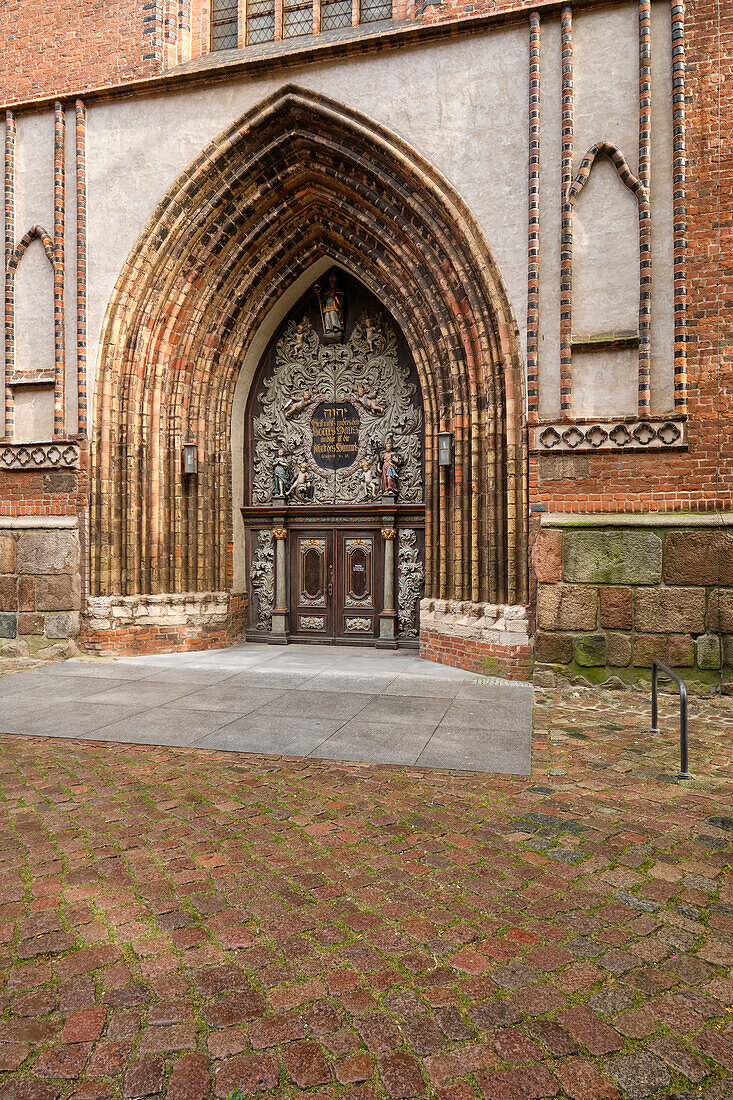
(279, 632)
(388, 617)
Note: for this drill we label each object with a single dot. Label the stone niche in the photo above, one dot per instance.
(611, 599)
(40, 591)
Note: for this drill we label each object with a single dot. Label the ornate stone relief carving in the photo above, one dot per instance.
(369, 388)
(262, 577)
(621, 435)
(410, 577)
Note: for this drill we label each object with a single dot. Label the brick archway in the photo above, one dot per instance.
(296, 179)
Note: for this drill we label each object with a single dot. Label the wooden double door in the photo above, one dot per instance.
(336, 584)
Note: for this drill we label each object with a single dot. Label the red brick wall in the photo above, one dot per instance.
(73, 45)
(510, 662)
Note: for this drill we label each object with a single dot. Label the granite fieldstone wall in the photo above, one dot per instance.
(611, 599)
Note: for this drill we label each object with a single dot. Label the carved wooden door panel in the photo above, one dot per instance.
(358, 575)
(312, 585)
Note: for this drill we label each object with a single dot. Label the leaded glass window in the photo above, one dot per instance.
(334, 14)
(297, 18)
(371, 11)
(260, 21)
(224, 21)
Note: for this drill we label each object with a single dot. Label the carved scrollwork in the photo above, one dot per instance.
(262, 578)
(410, 578)
(312, 622)
(359, 626)
(364, 372)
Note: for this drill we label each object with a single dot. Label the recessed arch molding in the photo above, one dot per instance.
(298, 178)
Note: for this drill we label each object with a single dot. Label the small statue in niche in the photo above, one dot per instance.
(302, 487)
(389, 468)
(280, 475)
(331, 304)
(293, 405)
(368, 401)
(368, 486)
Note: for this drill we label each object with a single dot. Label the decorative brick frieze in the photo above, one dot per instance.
(609, 435)
(40, 456)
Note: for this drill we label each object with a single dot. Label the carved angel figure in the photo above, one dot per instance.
(293, 405)
(369, 332)
(368, 401)
(302, 487)
(300, 336)
(368, 486)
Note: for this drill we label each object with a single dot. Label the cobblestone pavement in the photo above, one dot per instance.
(183, 924)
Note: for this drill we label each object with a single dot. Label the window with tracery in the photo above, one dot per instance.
(224, 24)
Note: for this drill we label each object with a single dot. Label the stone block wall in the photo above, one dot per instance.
(40, 588)
(611, 599)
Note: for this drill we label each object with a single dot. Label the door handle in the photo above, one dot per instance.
(330, 588)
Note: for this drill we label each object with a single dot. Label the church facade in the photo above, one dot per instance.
(368, 323)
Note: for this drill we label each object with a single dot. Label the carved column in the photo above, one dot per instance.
(388, 617)
(279, 632)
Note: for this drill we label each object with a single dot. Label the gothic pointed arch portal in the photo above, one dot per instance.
(296, 181)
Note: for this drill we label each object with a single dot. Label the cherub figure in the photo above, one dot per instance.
(299, 337)
(294, 406)
(368, 401)
(367, 482)
(369, 332)
(302, 487)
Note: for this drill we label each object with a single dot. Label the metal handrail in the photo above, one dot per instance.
(658, 666)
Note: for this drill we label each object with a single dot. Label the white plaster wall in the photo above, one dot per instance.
(462, 104)
(662, 206)
(606, 81)
(550, 218)
(34, 330)
(34, 139)
(34, 414)
(70, 281)
(605, 255)
(605, 383)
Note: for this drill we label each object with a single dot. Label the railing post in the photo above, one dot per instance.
(658, 667)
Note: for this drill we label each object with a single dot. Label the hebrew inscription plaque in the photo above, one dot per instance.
(335, 430)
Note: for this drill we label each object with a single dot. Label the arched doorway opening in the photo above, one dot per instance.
(334, 466)
(299, 181)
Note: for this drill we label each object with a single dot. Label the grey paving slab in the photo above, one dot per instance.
(302, 703)
(370, 741)
(142, 692)
(404, 710)
(425, 687)
(330, 702)
(342, 680)
(239, 699)
(464, 750)
(270, 734)
(163, 727)
(488, 714)
(73, 719)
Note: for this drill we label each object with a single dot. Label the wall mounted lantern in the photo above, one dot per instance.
(190, 458)
(445, 448)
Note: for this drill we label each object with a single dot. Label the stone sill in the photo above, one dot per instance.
(645, 519)
(38, 523)
(40, 377)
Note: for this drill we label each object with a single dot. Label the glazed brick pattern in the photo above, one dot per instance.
(509, 662)
(181, 924)
(610, 600)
